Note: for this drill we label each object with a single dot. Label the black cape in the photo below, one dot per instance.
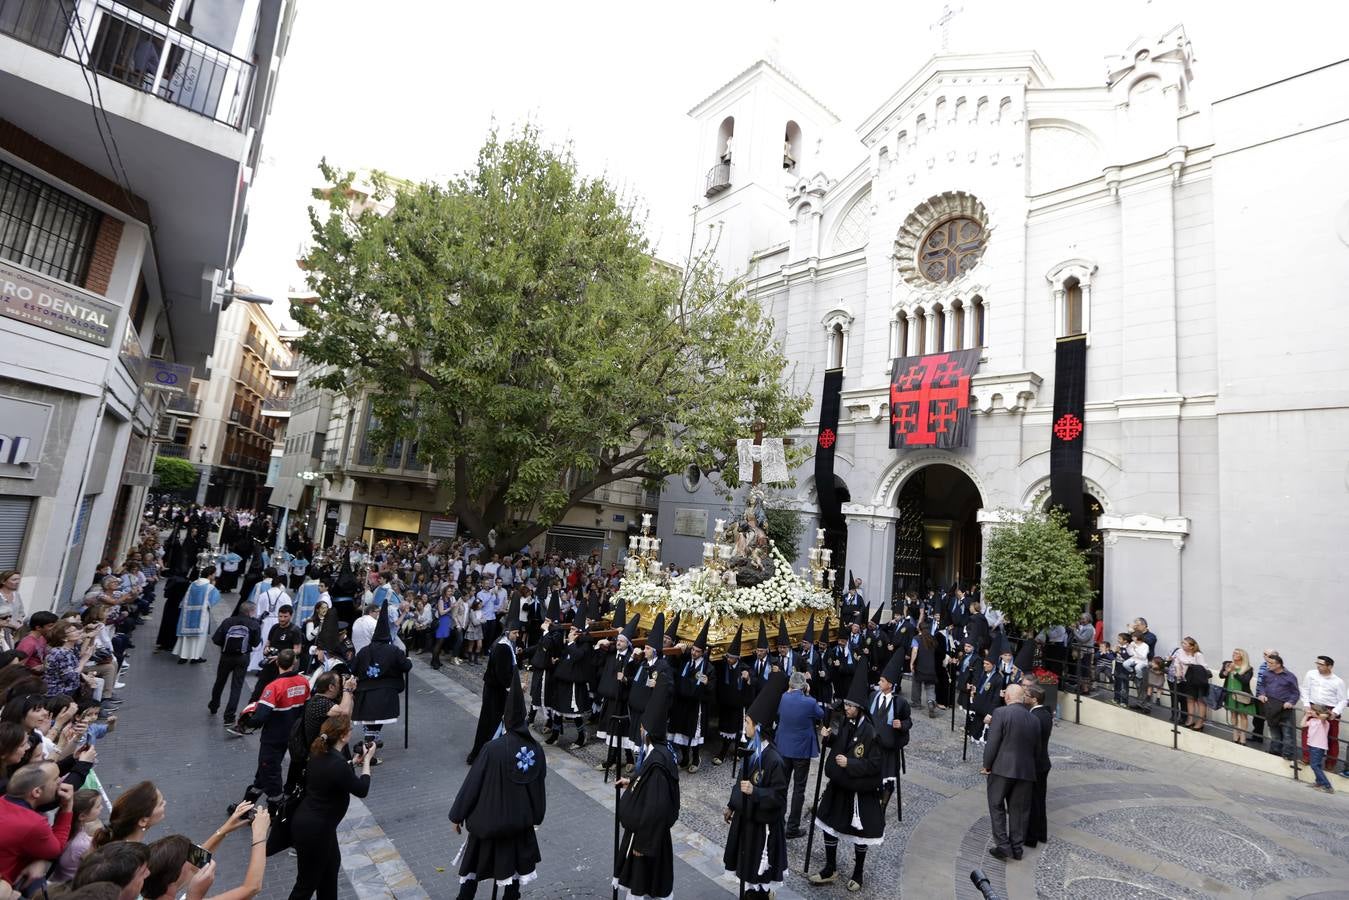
(854, 791)
(764, 808)
(647, 811)
(379, 669)
(501, 802)
(496, 684)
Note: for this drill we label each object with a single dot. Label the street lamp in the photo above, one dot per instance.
(228, 297)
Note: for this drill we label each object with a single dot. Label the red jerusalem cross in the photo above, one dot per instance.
(926, 401)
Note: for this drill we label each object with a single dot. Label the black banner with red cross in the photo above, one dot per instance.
(1069, 430)
(930, 400)
(831, 506)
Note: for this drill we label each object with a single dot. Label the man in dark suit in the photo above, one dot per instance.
(1037, 832)
(1009, 762)
(798, 716)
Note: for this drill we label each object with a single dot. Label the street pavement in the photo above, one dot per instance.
(1127, 819)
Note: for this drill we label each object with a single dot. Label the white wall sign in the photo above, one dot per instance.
(691, 522)
(23, 431)
(31, 298)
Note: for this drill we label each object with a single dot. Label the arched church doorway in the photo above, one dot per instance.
(937, 537)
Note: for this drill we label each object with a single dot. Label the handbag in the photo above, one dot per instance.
(1272, 711)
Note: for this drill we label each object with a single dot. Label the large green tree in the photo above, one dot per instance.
(175, 474)
(515, 325)
(1034, 573)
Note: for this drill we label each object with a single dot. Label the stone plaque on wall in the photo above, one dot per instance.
(692, 522)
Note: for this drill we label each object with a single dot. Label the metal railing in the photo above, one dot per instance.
(718, 179)
(141, 52)
(1083, 672)
(182, 404)
(276, 404)
(178, 451)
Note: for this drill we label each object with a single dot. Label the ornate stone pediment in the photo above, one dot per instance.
(1010, 392)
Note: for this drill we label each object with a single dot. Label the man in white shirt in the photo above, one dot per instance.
(489, 570)
(1324, 688)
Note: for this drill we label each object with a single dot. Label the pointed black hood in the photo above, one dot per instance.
(655, 638)
(346, 585)
(1025, 656)
(859, 690)
(824, 632)
(701, 640)
(762, 643)
(809, 636)
(734, 648)
(513, 719)
(656, 717)
(764, 709)
(620, 613)
(784, 638)
(630, 629)
(327, 640)
(554, 608)
(581, 609)
(673, 630)
(894, 669)
(999, 647)
(382, 625)
(875, 617)
(512, 622)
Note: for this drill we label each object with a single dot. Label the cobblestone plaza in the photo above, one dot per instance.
(1127, 819)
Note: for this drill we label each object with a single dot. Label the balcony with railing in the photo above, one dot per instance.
(178, 451)
(718, 179)
(139, 51)
(276, 407)
(184, 406)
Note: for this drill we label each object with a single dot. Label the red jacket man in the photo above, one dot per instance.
(25, 836)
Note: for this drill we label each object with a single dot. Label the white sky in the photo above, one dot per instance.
(412, 86)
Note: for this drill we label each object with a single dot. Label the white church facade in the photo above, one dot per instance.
(1202, 249)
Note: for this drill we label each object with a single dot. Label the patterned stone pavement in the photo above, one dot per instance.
(1127, 819)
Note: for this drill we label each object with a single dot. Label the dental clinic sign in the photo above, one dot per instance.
(48, 304)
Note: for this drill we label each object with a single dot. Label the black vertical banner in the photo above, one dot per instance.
(831, 514)
(1068, 433)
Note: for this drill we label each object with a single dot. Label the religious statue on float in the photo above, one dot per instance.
(751, 563)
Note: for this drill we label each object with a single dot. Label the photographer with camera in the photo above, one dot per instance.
(332, 696)
(179, 867)
(330, 783)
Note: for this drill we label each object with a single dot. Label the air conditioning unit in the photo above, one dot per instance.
(166, 426)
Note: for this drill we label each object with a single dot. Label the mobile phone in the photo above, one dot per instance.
(199, 856)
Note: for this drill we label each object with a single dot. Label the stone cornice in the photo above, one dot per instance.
(1142, 526)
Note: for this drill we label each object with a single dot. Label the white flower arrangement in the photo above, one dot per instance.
(703, 594)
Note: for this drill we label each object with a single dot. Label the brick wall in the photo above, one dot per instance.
(104, 255)
(28, 148)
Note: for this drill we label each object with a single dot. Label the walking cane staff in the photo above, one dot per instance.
(741, 843)
(407, 707)
(815, 804)
(955, 693)
(618, 793)
(965, 744)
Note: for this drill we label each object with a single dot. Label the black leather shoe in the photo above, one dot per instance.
(1016, 855)
(997, 853)
(552, 738)
(793, 833)
(1030, 843)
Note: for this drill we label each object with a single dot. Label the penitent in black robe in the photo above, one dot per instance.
(645, 677)
(851, 805)
(613, 693)
(500, 803)
(496, 684)
(647, 811)
(174, 591)
(762, 861)
(379, 668)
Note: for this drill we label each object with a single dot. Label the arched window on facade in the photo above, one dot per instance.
(920, 339)
(791, 146)
(958, 322)
(1004, 109)
(982, 111)
(1072, 307)
(939, 113)
(959, 110)
(726, 139)
(938, 329)
(835, 355)
(980, 335)
(919, 124)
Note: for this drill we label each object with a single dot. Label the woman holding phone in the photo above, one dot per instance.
(330, 783)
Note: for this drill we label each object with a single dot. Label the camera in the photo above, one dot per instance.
(250, 796)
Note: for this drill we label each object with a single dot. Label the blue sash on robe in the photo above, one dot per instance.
(194, 617)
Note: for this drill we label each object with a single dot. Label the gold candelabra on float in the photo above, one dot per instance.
(717, 553)
(644, 551)
(818, 572)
